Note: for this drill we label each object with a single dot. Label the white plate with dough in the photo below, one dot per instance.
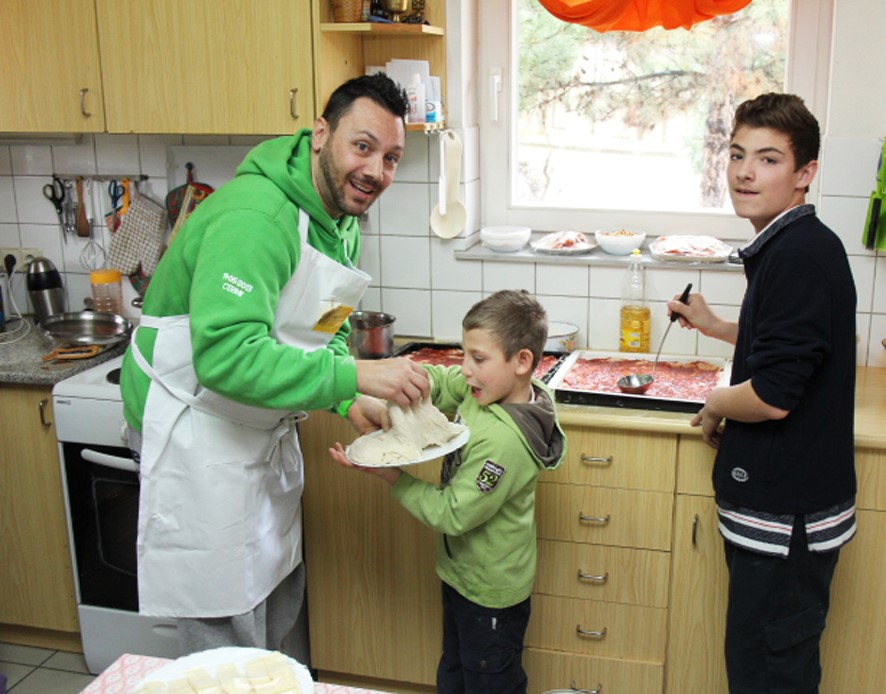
(427, 454)
(213, 663)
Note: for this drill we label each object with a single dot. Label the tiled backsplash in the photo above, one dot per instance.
(416, 276)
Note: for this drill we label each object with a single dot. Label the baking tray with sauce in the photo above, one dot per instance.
(602, 370)
(450, 354)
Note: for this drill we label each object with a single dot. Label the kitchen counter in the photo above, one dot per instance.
(870, 413)
(21, 360)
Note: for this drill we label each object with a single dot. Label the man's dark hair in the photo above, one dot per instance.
(785, 113)
(378, 87)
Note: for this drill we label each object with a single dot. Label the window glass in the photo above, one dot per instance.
(601, 116)
(586, 131)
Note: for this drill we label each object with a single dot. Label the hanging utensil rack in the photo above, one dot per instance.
(104, 177)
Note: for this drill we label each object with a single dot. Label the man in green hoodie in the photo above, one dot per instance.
(244, 327)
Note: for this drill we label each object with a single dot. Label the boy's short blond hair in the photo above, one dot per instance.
(514, 318)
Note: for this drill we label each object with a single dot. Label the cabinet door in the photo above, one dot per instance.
(35, 561)
(554, 670)
(207, 67)
(373, 596)
(50, 80)
(854, 638)
(697, 619)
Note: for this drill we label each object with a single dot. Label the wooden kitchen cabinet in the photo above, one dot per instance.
(600, 603)
(374, 599)
(35, 561)
(233, 67)
(51, 76)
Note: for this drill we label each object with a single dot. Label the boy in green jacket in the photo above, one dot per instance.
(484, 508)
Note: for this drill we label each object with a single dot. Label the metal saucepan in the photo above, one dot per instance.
(637, 384)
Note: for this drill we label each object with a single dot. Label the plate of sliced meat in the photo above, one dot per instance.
(564, 243)
(691, 249)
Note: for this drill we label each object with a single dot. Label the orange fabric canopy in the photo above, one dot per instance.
(639, 15)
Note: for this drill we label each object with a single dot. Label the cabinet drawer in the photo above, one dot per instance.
(549, 670)
(619, 517)
(695, 462)
(609, 458)
(870, 466)
(608, 574)
(601, 629)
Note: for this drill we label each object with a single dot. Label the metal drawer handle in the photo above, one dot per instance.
(591, 578)
(605, 460)
(43, 404)
(593, 519)
(293, 103)
(590, 634)
(83, 102)
(694, 529)
(576, 690)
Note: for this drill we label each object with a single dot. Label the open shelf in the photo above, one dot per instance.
(379, 29)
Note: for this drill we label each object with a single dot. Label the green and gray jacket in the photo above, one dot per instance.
(484, 509)
(248, 230)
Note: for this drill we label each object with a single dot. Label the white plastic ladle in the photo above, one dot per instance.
(449, 217)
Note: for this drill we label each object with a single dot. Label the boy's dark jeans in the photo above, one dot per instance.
(482, 647)
(775, 618)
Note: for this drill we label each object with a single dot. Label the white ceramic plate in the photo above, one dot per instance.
(213, 659)
(542, 245)
(719, 251)
(427, 454)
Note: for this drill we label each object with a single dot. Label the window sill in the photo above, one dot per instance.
(596, 258)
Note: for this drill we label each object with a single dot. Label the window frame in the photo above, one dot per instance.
(809, 48)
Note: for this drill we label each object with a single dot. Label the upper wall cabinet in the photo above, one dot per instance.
(203, 66)
(343, 51)
(50, 80)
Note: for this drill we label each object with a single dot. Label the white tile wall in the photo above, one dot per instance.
(415, 276)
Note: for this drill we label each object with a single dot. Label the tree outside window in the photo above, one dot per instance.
(641, 121)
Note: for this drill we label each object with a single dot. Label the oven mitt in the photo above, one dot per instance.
(139, 241)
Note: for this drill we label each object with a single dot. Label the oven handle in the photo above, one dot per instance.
(126, 464)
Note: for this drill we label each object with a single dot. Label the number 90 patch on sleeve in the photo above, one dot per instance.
(489, 477)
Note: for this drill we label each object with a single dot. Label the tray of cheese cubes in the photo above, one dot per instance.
(224, 670)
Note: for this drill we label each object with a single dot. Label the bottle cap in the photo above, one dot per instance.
(105, 276)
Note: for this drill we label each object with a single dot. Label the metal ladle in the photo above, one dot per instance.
(637, 384)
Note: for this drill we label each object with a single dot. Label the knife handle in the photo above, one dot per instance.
(685, 295)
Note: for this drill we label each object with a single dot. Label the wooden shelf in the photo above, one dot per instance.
(385, 30)
(426, 128)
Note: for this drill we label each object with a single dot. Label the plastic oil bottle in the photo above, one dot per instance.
(635, 316)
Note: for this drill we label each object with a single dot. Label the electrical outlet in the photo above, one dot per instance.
(22, 256)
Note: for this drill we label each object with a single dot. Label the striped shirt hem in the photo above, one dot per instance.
(768, 533)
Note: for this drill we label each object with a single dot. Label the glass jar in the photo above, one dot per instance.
(107, 291)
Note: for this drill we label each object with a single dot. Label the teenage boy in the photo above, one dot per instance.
(784, 475)
(484, 508)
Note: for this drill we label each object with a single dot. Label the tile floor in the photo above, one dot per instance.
(30, 670)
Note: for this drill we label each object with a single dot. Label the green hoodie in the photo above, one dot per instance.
(484, 509)
(248, 230)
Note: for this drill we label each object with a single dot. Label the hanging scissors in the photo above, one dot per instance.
(115, 192)
(55, 193)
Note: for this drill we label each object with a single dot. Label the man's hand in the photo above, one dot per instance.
(368, 414)
(399, 380)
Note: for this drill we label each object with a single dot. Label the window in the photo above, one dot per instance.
(631, 129)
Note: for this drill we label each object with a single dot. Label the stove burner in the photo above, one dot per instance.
(114, 376)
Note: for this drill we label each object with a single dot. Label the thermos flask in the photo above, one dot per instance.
(45, 289)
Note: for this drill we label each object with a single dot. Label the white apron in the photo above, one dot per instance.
(219, 521)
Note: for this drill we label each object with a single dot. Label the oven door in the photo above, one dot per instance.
(102, 501)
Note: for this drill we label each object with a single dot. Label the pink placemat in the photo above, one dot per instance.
(127, 672)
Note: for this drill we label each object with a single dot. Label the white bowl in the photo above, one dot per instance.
(561, 337)
(620, 241)
(505, 239)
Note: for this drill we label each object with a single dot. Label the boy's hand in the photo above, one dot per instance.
(388, 474)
